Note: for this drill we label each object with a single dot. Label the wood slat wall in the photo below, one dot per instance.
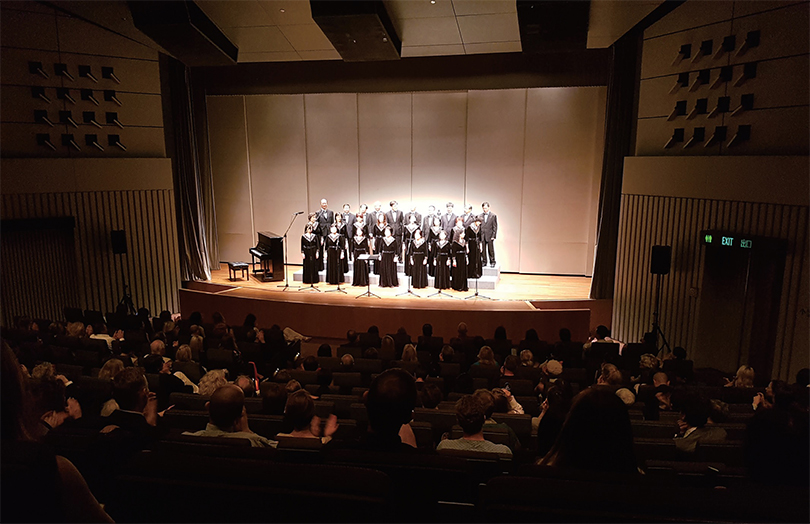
(150, 267)
(660, 220)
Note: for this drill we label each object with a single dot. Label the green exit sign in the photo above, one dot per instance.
(728, 240)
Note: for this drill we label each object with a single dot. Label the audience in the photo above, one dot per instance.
(743, 379)
(212, 380)
(228, 418)
(274, 398)
(692, 426)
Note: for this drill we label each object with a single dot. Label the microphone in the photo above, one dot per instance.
(299, 213)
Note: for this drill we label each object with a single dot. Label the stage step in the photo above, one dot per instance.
(485, 282)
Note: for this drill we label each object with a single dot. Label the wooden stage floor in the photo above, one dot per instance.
(512, 287)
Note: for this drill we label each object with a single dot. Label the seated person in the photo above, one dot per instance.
(486, 398)
(274, 398)
(471, 415)
(137, 412)
(300, 414)
(679, 369)
(168, 383)
(430, 396)
(228, 418)
(693, 426)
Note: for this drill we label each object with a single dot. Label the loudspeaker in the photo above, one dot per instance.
(118, 238)
(660, 260)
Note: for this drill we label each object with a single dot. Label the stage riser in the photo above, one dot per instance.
(488, 271)
(483, 282)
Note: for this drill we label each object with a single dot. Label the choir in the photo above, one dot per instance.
(448, 247)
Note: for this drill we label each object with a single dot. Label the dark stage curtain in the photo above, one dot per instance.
(195, 210)
(620, 117)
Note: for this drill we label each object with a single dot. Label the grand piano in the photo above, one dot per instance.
(269, 253)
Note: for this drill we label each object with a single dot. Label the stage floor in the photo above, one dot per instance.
(511, 287)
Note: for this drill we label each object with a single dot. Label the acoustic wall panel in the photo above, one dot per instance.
(22, 29)
(278, 167)
(439, 148)
(495, 148)
(229, 161)
(332, 153)
(385, 149)
(561, 179)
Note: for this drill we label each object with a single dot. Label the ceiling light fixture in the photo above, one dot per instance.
(281, 11)
(432, 1)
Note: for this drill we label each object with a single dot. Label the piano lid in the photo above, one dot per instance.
(268, 234)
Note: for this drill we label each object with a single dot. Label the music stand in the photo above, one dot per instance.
(287, 285)
(476, 295)
(368, 274)
(409, 292)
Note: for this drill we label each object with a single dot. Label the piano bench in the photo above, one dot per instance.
(233, 267)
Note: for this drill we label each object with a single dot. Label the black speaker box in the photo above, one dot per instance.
(118, 238)
(660, 260)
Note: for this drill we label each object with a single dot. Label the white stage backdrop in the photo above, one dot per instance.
(534, 154)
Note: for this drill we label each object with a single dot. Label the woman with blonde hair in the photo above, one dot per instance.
(111, 368)
(211, 381)
(409, 353)
(486, 357)
(743, 379)
(185, 364)
(197, 348)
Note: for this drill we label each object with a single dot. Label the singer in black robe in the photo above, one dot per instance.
(459, 254)
(378, 232)
(335, 255)
(408, 233)
(442, 261)
(343, 231)
(433, 237)
(310, 251)
(474, 238)
(360, 267)
(418, 257)
(389, 250)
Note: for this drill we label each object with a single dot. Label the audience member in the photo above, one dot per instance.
(430, 396)
(186, 365)
(596, 436)
(28, 468)
(324, 381)
(324, 350)
(137, 412)
(692, 426)
(292, 386)
(679, 370)
(228, 418)
(743, 379)
(471, 415)
(274, 398)
(309, 363)
(609, 376)
(390, 402)
(346, 363)
(510, 366)
(504, 402)
(553, 411)
(212, 381)
(299, 413)
(486, 398)
(246, 384)
(110, 369)
(388, 350)
(409, 353)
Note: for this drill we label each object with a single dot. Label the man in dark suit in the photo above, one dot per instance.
(348, 219)
(427, 223)
(326, 217)
(449, 220)
(374, 215)
(416, 215)
(469, 218)
(395, 220)
(489, 230)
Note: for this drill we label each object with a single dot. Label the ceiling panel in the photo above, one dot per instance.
(483, 7)
(307, 37)
(323, 54)
(244, 13)
(288, 56)
(267, 39)
(287, 12)
(489, 28)
(429, 31)
(432, 50)
(418, 8)
(493, 47)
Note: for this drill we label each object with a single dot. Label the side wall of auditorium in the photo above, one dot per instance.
(87, 146)
(691, 174)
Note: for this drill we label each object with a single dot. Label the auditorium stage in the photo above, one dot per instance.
(543, 302)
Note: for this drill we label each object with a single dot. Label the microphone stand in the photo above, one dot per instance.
(287, 285)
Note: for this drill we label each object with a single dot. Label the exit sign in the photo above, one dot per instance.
(724, 239)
